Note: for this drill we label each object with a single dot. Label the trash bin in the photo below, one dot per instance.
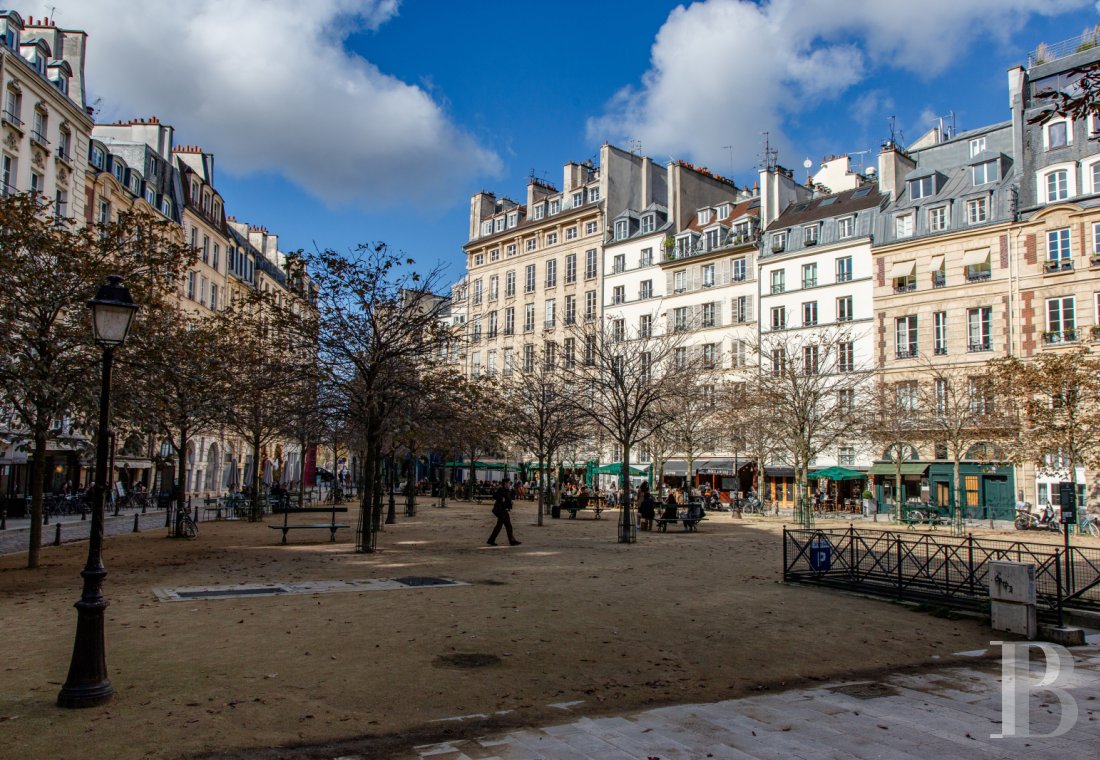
(555, 511)
(821, 555)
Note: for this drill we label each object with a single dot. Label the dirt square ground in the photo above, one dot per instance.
(571, 615)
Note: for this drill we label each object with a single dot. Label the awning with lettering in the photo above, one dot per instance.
(973, 258)
(902, 269)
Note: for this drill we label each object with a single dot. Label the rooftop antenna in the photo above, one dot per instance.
(862, 157)
(635, 146)
(771, 155)
(53, 12)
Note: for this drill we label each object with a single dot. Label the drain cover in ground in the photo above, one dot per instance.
(869, 690)
(421, 581)
(215, 593)
(466, 660)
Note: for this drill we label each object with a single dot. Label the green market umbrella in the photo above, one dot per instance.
(838, 473)
(616, 468)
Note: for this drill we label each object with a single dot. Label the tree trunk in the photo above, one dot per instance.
(897, 487)
(38, 484)
(255, 509)
(542, 488)
(957, 516)
(181, 479)
(410, 484)
(302, 475)
(626, 524)
(802, 492)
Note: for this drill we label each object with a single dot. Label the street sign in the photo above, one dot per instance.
(1067, 493)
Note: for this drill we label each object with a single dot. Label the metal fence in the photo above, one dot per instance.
(952, 571)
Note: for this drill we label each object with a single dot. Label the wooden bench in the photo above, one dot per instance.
(690, 523)
(332, 526)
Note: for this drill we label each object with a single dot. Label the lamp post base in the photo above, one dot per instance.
(87, 684)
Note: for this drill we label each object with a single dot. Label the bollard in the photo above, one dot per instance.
(57, 535)
(83, 513)
(135, 522)
(3, 519)
(45, 515)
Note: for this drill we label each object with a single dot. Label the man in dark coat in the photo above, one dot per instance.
(502, 505)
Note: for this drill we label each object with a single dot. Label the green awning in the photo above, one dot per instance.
(838, 473)
(890, 468)
(617, 469)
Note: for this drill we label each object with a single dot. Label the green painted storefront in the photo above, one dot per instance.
(990, 488)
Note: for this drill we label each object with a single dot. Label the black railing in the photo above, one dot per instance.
(945, 570)
(1053, 337)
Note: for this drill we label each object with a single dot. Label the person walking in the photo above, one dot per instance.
(646, 508)
(502, 505)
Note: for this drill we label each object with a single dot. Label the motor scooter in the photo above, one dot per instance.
(1045, 519)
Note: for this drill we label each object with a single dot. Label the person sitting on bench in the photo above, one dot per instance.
(670, 512)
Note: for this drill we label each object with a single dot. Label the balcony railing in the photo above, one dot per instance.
(907, 352)
(1058, 265)
(778, 288)
(843, 276)
(1094, 260)
(939, 280)
(39, 138)
(1056, 337)
(979, 276)
(778, 246)
(977, 346)
(940, 351)
(904, 287)
(11, 118)
(809, 282)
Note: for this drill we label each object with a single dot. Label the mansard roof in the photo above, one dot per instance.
(836, 204)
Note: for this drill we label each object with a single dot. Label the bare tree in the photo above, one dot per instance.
(892, 427)
(691, 415)
(378, 323)
(750, 424)
(622, 383)
(51, 269)
(958, 409)
(542, 416)
(813, 388)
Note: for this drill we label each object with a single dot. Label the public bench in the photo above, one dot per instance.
(331, 526)
(575, 504)
(690, 523)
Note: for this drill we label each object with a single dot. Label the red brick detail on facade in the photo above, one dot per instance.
(1029, 250)
(89, 204)
(1027, 323)
(1003, 241)
(1083, 240)
(880, 272)
(881, 337)
(1007, 325)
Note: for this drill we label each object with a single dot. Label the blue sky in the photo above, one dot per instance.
(375, 120)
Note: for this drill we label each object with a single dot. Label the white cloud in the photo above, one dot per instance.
(723, 71)
(269, 87)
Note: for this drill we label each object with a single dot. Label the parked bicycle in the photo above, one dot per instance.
(1090, 524)
(185, 524)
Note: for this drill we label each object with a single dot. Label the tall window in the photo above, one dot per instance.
(645, 290)
(570, 310)
(618, 294)
(742, 309)
(590, 264)
(710, 355)
(738, 269)
(529, 279)
(618, 330)
(528, 358)
(590, 304)
(921, 188)
(645, 326)
(570, 268)
(846, 356)
(618, 263)
(845, 227)
(678, 279)
(905, 331)
(809, 234)
(708, 275)
(528, 317)
(568, 354)
(937, 219)
(737, 353)
(844, 269)
(979, 329)
(1057, 186)
(510, 284)
(477, 292)
(680, 357)
(1061, 320)
(976, 210)
(649, 223)
(550, 313)
(492, 324)
(778, 278)
(680, 318)
(939, 333)
(552, 273)
(779, 317)
(779, 361)
(809, 313)
(987, 171)
(809, 275)
(844, 309)
(646, 257)
(903, 225)
(710, 314)
(510, 320)
(1058, 245)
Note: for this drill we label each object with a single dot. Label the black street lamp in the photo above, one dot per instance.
(87, 684)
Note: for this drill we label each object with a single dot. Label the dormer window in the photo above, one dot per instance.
(166, 206)
(99, 157)
(151, 197)
(1057, 134)
(498, 224)
(555, 205)
(649, 223)
(723, 211)
(809, 234)
(119, 171)
(64, 140)
(987, 171)
(977, 145)
(11, 36)
(622, 227)
(593, 194)
(539, 211)
(135, 182)
(922, 187)
(513, 218)
(704, 216)
(486, 227)
(578, 199)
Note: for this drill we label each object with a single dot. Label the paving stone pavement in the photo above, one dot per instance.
(946, 713)
(16, 538)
